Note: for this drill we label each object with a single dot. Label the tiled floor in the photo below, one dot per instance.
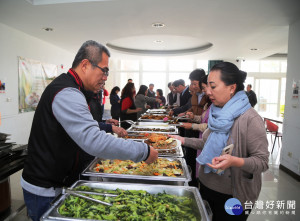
(277, 186)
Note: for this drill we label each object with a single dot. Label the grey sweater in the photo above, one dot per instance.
(71, 110)
(141, 101)
(248, 135)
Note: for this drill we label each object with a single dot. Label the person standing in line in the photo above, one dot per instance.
(104, 95)
(141, 100)
(172, 96)
(184, 97)
(63, 126)
(128, 109)
(199, 123)
(198, 101)
(231, 120)
(109, 125)
(183, 90)
(160, 96)
(151, 93)
(251, 95)
(115, 101)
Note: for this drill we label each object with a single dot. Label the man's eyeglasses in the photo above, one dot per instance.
(104, 70)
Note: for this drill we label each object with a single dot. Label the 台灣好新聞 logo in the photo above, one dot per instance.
(233, 206)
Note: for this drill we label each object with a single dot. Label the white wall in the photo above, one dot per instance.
(14, 43)
(291, 124)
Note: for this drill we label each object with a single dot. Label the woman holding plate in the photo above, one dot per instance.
(231, 120)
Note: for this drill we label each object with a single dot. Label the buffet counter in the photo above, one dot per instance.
(116, 189)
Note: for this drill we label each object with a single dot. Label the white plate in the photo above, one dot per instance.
(178, 144)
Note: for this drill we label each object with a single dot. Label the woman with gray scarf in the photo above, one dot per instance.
(231, 120)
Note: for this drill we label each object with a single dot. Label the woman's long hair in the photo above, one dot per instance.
(127, 91)
(142, 90)
(114, 90)
(207, 100)
(160, 92)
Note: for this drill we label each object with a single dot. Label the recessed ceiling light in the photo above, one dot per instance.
(48, 29)
(158, 25)
(158, 41)
(253, 49)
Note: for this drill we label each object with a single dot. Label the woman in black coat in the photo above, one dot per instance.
(115, 103)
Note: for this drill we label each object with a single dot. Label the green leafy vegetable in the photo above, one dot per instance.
(131, 205)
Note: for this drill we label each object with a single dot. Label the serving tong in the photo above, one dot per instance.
(135, 134)
(181, 117)
(128, 121)
(79, 193)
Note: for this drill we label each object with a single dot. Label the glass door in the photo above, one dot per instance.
(267, 97)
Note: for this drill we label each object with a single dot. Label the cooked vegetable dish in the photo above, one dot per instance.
(156, 117)
(129, 205)
(151, 136)
(161, 167)
(169, 143)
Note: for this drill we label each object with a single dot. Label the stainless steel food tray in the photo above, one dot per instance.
(151, 120)
(178, 150)
(202, 210)
(155, 114)
(132, 129)
(156, 111)
(178, 153)
(111, 177)
(155, 124)
(135, 139)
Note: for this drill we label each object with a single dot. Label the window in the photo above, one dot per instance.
(159, 71)
(180, 75)
(270, 102)
(130, 65)
(283, 67)
(249, 80)
(157, 78)
(250, 66)
(202, 64)
(180, 69)
(129, 75)
(181, 65)
(154, 65)
(282, 96)
(270, 66)
(267, 99)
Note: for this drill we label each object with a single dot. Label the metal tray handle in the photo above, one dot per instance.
(208, 209)
(53, 202)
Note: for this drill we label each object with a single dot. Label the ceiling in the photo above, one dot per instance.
(207, 29)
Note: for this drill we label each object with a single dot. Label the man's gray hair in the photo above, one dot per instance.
(92, 51)
(178, 82)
